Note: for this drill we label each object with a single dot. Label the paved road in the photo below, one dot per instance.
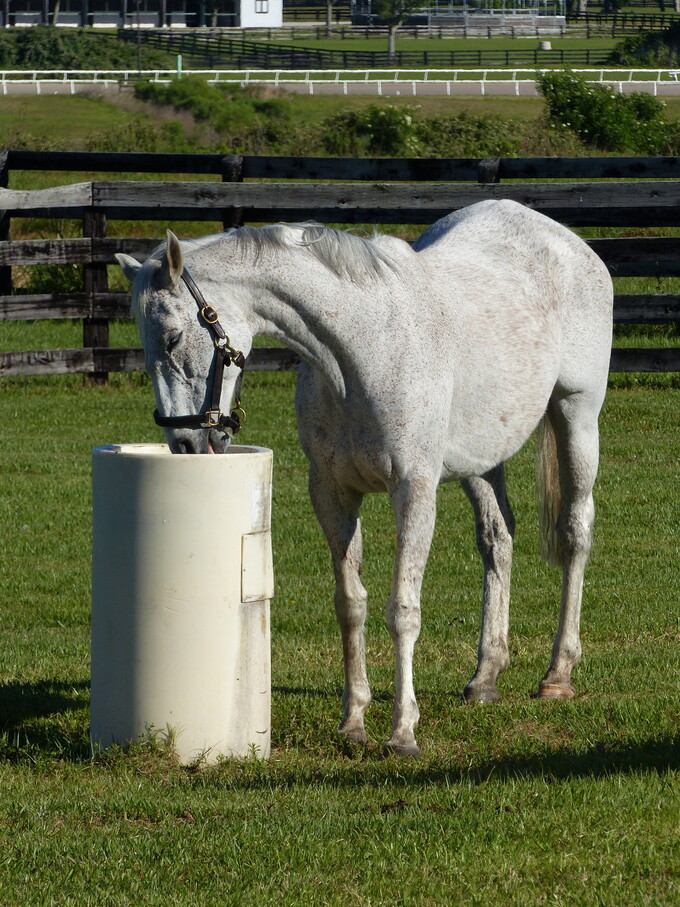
(385, 88)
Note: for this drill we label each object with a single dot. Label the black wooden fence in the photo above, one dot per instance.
(222, 49)
(630, 193)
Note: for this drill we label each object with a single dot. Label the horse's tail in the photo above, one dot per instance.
(548, 491)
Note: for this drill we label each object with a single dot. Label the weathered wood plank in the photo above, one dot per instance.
(46, 251)
(575, 204)
(45, 362)
(571, 168)
(115, 161)
(639, 256)
(645, 360)
(345, 196)
(64, 305)
(605, 203)
(647, 308)
(63, 362)
(68, 197)
(81, 250)
(371, 169)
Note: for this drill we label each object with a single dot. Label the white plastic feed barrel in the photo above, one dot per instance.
(181, 582)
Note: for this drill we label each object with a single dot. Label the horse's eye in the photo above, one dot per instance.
(172, 342)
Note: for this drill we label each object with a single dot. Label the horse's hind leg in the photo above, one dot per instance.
(337, 510)
(574, 421)
(495, 525)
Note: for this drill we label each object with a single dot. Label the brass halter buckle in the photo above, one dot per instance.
(211, 418)
(209, 315)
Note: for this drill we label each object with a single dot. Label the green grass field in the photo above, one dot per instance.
(524, 802)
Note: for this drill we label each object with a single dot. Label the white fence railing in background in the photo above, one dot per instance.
(59, 81)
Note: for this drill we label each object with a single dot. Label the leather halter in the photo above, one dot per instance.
(225, 354)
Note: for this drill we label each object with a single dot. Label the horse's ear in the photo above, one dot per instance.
(128, 264)
(172, 263)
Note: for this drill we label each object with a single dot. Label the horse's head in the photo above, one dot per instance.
(182, 348)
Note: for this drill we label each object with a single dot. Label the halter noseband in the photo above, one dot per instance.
(225, 354)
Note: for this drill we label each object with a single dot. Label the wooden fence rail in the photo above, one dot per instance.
(629, 193)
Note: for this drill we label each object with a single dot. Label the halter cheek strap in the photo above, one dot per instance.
(225, 354)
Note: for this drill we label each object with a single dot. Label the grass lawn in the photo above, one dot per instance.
(448, 44)
(61, 118)
(519, 803)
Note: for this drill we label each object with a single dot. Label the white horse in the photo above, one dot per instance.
(420, 365)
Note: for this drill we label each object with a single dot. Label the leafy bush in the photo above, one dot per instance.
(605, 119)
(240, 117)
(376, 130)
(468, 135)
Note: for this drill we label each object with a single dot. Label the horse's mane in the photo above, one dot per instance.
(347, 255)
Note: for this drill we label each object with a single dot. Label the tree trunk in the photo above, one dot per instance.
(392, 42)
(329, 17)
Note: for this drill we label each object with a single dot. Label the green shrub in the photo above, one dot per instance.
(377, 130)
(604, 119)
(468, 135)
(241, 118)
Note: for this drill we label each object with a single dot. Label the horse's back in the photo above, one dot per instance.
(516, 244)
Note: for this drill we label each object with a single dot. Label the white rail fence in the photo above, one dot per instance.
(446, 81)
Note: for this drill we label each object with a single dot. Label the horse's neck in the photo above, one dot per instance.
(323, 318)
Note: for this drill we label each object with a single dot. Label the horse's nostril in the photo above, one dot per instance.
(185, 446)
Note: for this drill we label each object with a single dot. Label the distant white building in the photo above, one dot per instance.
(260, 13)
(143, 13)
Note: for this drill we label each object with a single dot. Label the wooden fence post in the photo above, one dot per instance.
(488, 170)
(232, 172)
(5, 272)
(95, 280)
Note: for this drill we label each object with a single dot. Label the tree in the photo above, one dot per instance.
(393, 13)
(329, 16)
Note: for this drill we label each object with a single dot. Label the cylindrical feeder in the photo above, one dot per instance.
(181, 582)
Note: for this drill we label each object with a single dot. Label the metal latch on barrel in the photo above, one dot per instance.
(257, 569)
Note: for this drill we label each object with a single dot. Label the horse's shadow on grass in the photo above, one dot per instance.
(601, 760)
(645, 757)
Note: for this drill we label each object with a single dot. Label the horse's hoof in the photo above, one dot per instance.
(404, 750)
(480, 695)
(556, 691)
(353, 734)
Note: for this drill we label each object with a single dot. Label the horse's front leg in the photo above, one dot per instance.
(337, 510)
(414, 502)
